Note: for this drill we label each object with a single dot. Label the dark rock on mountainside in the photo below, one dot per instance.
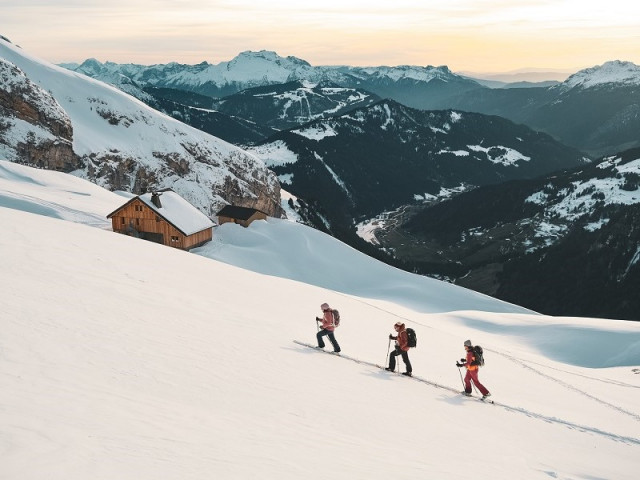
(34, 129)
(565, 244)
(387, 155)
(291, 104)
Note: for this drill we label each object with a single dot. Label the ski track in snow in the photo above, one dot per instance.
(567, 385)
(595, 379)
(524, 411)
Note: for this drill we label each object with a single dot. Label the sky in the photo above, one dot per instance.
(466, 35)
(126, 359)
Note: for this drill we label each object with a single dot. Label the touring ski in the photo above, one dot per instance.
(482, 399)
(375, 365)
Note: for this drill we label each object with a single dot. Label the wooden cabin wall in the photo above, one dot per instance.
(145, 220)
(257, 216)
(198, 238)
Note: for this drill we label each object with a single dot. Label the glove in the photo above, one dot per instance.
(458, 364)
(318, 319)
(390, 337)
(463, 360)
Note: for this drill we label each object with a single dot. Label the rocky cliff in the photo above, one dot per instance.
(59, 119)
(34, 128)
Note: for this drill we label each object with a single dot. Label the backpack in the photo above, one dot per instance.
(412, 340)
(336, 318)
(479, 354)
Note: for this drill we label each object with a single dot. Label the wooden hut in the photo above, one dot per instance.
(163, 217)
(240, 215)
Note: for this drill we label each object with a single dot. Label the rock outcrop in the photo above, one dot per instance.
(34, 128)
(57, 119)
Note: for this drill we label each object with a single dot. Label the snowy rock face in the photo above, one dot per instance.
(121, 144)
(34, 127)
(609, 73)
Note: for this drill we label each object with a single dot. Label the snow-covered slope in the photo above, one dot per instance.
(126, 359)
(123, 144)
(609, 73)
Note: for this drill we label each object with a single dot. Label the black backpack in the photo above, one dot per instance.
(412, 340)
(478, 353)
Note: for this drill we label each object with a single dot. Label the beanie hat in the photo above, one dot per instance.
(324, 306)
(399, 325)
(467, 343)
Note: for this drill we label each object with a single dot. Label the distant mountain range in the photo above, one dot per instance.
(255, 69)
(596, 110)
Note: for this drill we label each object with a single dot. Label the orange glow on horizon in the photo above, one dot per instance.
(476, 35)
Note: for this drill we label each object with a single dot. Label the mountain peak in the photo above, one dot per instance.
(612, 72)
(269, 56)
(90, 66)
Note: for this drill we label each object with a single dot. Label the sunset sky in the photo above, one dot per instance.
(466, 35)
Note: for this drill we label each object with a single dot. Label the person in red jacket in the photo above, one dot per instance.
(327, 328)
(472, 371)
(402, 348)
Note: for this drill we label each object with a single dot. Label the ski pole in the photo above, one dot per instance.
(387, 357)
(461, 380)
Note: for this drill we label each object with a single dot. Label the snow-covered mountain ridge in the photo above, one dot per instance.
(250, 69)
(166, 364)
(594, 110)
(122, 144)
(609, 73)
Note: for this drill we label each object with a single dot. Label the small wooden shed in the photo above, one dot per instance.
(163, 217)
(240, 215)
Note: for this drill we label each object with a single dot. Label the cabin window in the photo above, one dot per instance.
(138, 208)
(122, 223)
(174, 239)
